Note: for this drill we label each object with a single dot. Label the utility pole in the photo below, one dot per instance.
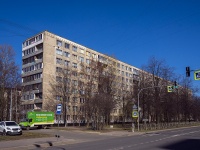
(11, 105)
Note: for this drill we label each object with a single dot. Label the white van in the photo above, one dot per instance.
(10, 128)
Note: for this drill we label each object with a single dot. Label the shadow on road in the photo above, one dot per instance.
(189, 144)
(49, 147)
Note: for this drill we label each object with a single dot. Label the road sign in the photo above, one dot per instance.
(197, 75)
(135, 107)
(135, 114)
(170, 88)
(58, 109)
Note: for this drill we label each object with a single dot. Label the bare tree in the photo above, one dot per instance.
(159, 74)
(9, 79)
(62, 89)
(99, 91)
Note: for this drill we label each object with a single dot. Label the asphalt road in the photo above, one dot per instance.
(175, 139)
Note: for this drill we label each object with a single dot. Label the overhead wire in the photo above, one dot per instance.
(11, 23)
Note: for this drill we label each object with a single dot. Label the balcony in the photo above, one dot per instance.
(32, 72)
(32, 63)
(38, 100)
(33, 44)
(33, 54)
(32, 82)
(25, 102)
(33, 91)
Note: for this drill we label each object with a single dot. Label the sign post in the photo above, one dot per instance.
(134, 115)
(58, 113)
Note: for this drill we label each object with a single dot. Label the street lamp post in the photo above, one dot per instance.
(139, 102)
(139, 109)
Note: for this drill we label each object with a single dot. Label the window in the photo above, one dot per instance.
(82, 92)
(74, 91)
(122, 66)
(58, 69)
(39, 37)
(74, 48)
(28, 51)
(74, 65)
(82, 100)
(126, 68)
(94, 56)
(75, 82)
(31, 41)
(58, 97)
(75, 109)
(38, 66)
(59, 51)
(59, 43)
(118, 65)
(66, 80)
(114, 110)
(66, 54)
(67, 45)
(75, 99)
(59, 61)
(87, 53)
(122, 72)
(74, 73)
(81, 51)
(88, 69)
(74, 57)
(37, 76)
(81, 59)
(87, 61)
(66, 63)
(127, 74)
(58, 79)
(82, 76)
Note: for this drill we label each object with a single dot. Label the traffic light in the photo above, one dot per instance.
(187, 71)
(175, 83)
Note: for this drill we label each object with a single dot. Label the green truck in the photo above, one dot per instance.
(37, 119)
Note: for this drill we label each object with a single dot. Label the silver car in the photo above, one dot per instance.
(10, 128)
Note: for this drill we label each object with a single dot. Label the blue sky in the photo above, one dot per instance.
(132, 31)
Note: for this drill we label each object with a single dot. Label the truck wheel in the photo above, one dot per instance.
(27, 128)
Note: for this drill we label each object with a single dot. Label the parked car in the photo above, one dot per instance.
(10, 128)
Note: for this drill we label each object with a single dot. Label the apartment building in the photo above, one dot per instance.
(45, 53)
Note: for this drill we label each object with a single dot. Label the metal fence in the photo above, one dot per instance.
(160, 126)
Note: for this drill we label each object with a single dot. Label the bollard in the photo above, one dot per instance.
(133, 127)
